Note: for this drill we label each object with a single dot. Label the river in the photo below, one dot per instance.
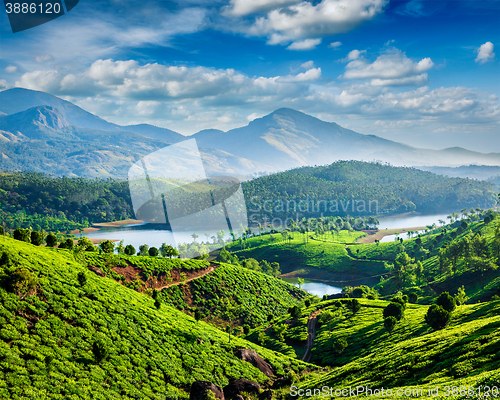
(315, 288)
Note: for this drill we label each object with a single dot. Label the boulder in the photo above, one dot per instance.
(235, 388)
(199, 391)
(257, 361)
(97, 271)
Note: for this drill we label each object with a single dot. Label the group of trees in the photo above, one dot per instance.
(60, 203)
(264, 266)
(335, 189)
(439, 315)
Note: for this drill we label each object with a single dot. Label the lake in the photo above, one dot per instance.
(137, 235)
(316, 288)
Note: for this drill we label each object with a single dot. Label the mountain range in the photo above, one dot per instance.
(41, 132)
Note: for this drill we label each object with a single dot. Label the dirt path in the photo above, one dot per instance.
(311, 334)
(201, 275)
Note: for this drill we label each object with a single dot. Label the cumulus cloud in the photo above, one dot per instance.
(307, 65)
(393, 68)
(308, 20)
(307, 44)
(335, 45)
(485, 53)
(245, 7)
(10, 69)
(151, 82)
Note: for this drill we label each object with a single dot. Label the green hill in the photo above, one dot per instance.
(68, 337)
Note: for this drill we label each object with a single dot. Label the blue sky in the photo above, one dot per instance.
(419, 72)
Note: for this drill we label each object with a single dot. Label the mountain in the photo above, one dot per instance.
(154, 132)
(481, 172)
(287, 138)
(15, 100)
(44, 133)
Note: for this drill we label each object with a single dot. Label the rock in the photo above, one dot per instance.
(97, 271)
(257, 361)
(235, 388)
(199, 391)
(266, 395)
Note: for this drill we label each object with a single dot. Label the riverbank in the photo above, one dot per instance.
(380, 234)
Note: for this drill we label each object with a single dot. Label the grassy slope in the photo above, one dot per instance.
(46, 338)
(315, 253)
(258, 293)
(466, 352)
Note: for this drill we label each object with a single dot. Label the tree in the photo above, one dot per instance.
(389, 323)
(413, 298)
(107, 246)
(300, 282)
(437, 317)
(82, 278)
(198, 314)
(143, 249)
(153, 251)
(461, 297)
(394, 309)
(85, 243)
(446, 301)
(339, 345)
(354, 305)
(129, 250)
(157, 303)
(51, 240)
(23, 235)
(120, 248)
(246, 329)
(36, 238)
(100, 351)
(67, 244)
(195, 236)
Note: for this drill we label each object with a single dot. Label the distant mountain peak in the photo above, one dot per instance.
(48, 116)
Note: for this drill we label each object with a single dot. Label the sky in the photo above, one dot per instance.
(424, 73)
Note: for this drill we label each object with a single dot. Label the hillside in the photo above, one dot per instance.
(62, 337)
(359, 188)
(413, 355)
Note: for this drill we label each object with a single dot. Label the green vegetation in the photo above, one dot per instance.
(252, 296)
(354, 187)
(61, 339)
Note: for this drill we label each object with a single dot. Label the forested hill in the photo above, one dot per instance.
(345, 187)
(357, 188)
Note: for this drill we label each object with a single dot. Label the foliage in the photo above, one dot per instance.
(437, 317)
(446, 301)
(107, 246)
(394, 309)
(389, 323)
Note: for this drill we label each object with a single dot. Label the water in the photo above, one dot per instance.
(411, 221)
(140, 234)
(315, 288)
(392, 238)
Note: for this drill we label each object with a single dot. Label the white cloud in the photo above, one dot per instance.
(146, 108)
(335, 45)
(485, 53)
(354, 55)
(245, 7)
(307, 44)
(310, 75)
(44, 58)
(307, 20)
(3, 84)
(10, 69)
(393, 68)
(307, 65)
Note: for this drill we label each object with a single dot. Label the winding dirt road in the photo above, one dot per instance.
(311, 334)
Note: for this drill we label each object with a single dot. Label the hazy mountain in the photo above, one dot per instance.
(44, 133)
(287, 138)
(481, 172)
(154, 132)
(17, 100)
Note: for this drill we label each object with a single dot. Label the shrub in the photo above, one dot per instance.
(437, 317)
(390, 323)
(22, 235)
(107, 246)
(82, 278)
(67, 244)
(129, 250)
(246, 329)
(339, 345)
(413, 298)
(100, 351)
(394, 309)
(36, 238)
(23, 282)
(307, 302)
(153, 252)
(157, 304)
(51, 240)
(446, 301)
